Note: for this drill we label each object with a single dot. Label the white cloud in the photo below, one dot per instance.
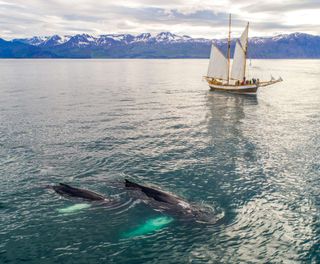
(198, 18)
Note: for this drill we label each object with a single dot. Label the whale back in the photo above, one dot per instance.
(153, 193)
(67, 190)
(174, 205)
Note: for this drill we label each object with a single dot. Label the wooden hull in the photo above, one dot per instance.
(243, 89)
(240, 89)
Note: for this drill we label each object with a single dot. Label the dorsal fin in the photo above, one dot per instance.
(131, 184)
(65, 185)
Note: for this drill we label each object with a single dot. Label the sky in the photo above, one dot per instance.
(196, 18)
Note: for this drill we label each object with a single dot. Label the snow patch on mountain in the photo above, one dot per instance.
(34, 41)
(55, 40)
(144, 37)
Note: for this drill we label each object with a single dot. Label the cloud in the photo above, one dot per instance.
(283, 7)
(198, 18)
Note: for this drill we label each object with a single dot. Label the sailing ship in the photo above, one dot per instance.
(220, 77)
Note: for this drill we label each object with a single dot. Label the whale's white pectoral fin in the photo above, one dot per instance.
(73, 208)
(150, 226)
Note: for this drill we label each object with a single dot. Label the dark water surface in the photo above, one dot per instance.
(253, 160)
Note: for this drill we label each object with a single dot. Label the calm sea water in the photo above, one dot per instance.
(92, 123)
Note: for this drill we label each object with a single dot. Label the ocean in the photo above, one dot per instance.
(252, 161)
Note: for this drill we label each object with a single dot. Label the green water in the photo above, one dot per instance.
(254, 161)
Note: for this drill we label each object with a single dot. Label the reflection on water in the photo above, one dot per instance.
(235, 155)
(253, 161)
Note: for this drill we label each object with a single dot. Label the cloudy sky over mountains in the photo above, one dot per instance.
(197, 18)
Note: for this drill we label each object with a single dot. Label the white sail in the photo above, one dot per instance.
(218, 64)
(244, 38)
(238, 65)
(239, 57)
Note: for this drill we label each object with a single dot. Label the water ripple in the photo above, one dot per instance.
(251, 162)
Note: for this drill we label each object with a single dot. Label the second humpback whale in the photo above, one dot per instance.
(173, 204)
(69, 191)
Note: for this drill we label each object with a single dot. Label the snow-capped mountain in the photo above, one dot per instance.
(34, 41)
(168, 45)
(55, 40)
(80, 40)
(124, 38)
(47, 41)
(84, 40)
(144, 37)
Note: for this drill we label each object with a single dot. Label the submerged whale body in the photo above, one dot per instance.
(69, 191)
(173, 204)
(149, 226)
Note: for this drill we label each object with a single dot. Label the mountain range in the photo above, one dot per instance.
(162, 45)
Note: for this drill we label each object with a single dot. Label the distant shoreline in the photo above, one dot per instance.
(163, 46)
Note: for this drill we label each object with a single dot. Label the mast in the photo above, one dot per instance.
(229, 48)
(246, 52)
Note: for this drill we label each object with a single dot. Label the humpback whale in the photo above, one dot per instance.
(69, 191)
(174, 205)
(160, 196)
